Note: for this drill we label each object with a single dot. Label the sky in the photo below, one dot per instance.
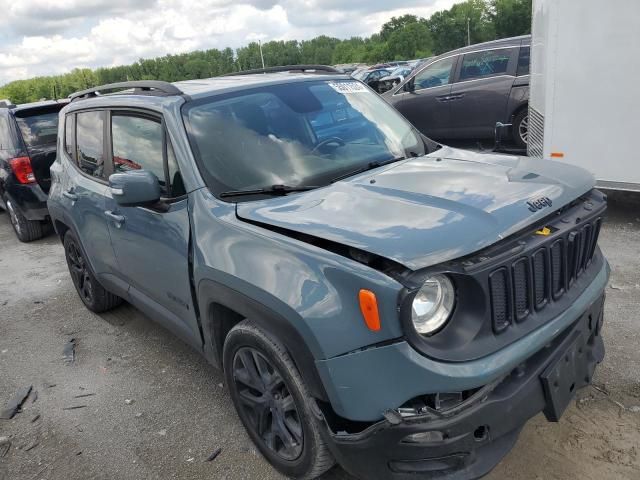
(48, 37)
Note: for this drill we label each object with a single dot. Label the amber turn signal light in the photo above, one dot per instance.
(369, 309)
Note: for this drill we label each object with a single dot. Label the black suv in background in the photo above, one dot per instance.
(465, 92)
(28, 137)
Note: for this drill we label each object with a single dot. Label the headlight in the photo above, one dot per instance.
(433, 304)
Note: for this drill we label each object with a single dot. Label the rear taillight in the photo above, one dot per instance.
(21, 167)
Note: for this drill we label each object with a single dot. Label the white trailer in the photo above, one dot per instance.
(584, 105)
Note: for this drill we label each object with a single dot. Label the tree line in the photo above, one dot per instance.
(401, 38)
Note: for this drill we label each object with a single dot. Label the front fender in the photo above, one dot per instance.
(313, 290)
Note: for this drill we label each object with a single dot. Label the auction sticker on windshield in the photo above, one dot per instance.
(348, 87)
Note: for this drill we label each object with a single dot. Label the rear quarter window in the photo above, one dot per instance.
(523, 61)
(5, 134)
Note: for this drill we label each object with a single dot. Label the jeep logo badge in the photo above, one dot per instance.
(539, 203)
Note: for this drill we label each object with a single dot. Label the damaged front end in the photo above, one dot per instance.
(463, 435)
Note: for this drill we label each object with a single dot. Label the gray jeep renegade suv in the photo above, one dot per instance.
(374, 298)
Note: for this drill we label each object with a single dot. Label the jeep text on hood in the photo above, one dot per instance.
(431, 209)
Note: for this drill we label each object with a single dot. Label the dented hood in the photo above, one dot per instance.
(427, 210)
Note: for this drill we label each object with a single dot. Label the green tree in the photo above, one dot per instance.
(511, 17)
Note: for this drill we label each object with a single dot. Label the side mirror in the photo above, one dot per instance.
(410, 86)
(135, 188)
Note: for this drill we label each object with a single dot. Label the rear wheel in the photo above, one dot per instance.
(26, 230)
(520, 129)
(92, 294)
(273, 403)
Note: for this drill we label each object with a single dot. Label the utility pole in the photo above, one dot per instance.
(468, 31)
(261, 56)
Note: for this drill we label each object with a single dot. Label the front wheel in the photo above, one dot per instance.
(273, 403)
(520, 129)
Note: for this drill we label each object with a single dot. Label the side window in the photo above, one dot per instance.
(5, 134)
(436, 74)
(523, 61)
(90, 143)
(485, 64)
(175, 177)
(68, 134)
(137, 145)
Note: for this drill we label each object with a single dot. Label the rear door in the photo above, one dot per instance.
(83, 188)
(152, 243)
(426, 105)
(481, 91)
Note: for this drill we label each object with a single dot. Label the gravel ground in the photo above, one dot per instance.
(149, 407)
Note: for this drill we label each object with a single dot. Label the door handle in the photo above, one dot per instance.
(117, 219)
(70, 195)
(456, 97)
(444, 98)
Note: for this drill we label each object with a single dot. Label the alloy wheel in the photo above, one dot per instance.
(523, 129)
(268, 404)
(13, 217)
(80, 272)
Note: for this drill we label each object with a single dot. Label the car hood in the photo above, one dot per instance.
(427, 210)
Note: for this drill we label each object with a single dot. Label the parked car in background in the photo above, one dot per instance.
(464, 93)
(394, 78)
(28, 136)
(373, 298)
(371, 76)
(349, 68)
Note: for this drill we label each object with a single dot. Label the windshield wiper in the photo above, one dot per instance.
(272, 190)
(365, 168)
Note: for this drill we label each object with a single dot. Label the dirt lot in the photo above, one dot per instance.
(152, 408)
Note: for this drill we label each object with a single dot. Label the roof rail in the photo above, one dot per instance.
(6, 103)
(140, 87)
(287, 68)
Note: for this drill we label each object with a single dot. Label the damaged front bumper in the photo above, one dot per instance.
(468, 440)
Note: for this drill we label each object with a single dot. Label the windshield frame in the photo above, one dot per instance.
(216, 187)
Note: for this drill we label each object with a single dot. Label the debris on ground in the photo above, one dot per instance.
(163, 432)
(190, 459)
(31, 447)
(48, 385)
(128, 401)
(34, 397)
(74, 407)
(69, 351)
(5, 445)
(83, 395)
(15, 403)
(138, 415)
(214, 454)
(634, 409)
(35, 419)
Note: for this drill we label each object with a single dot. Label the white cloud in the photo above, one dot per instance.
(44, 37)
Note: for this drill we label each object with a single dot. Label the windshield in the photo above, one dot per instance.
(38, 129)
(297, 134)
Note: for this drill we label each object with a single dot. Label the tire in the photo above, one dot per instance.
(519, 131)
(95, 297)
(262, 378)
(26, 230)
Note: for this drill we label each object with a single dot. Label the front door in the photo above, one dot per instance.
(426, 103)
(152, 243)
(481, 92)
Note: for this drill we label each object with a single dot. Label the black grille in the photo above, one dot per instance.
(500, 299)
(533, 280)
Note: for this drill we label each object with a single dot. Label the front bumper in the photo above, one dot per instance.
(467, 441)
